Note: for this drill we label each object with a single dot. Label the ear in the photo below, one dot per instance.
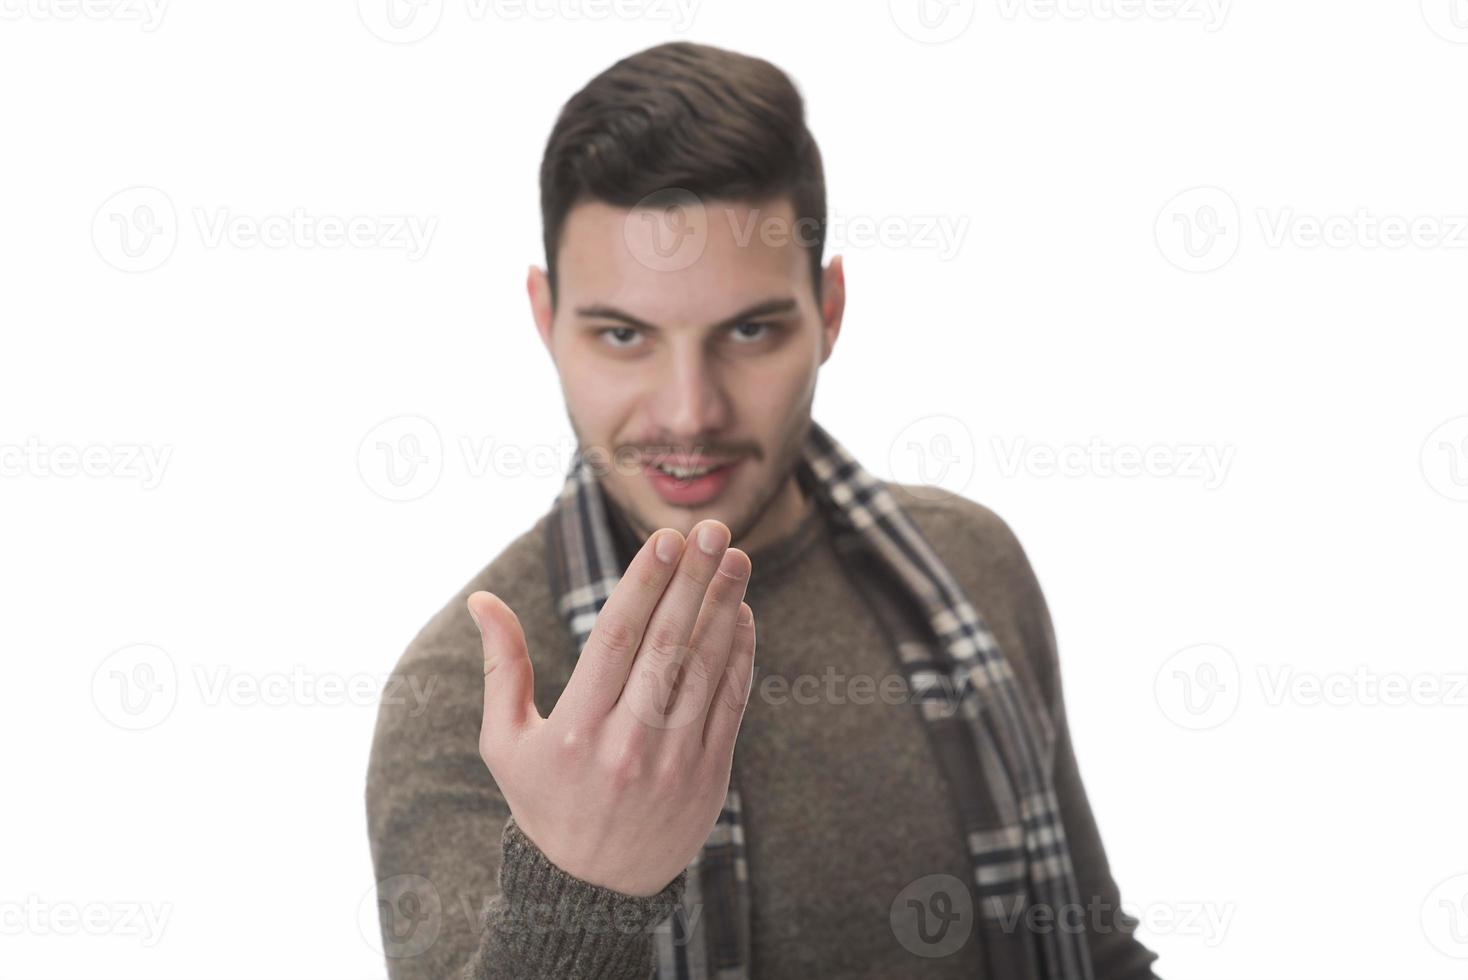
(833, 304)
(537, 286)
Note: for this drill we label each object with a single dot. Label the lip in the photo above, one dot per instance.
(689, 492)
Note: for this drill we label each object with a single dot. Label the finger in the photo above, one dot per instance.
(602, 668)
(509, 678)
(732, 696)
(647, 696)
(713, 638)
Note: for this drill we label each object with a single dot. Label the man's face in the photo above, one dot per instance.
(687, 345)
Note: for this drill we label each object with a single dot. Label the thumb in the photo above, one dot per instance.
(509, 678)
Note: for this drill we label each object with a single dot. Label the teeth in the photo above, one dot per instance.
(682, 473)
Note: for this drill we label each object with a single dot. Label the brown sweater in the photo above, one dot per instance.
(844, 805)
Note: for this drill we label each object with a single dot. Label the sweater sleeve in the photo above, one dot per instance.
(461, 891)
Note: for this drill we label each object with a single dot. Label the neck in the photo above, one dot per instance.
(778, 519)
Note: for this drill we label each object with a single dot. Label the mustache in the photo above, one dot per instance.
(672, 452)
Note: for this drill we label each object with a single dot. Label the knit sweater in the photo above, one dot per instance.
(844, 805)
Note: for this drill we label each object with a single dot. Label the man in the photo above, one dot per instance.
(892, 792)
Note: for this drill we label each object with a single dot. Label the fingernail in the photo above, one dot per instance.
(666, 546)
(475, 616)
(745, 615)
(732, 565)
(711, 538)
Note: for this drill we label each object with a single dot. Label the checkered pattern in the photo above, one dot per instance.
(992, 741)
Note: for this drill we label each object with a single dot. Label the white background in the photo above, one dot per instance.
(1301, 821)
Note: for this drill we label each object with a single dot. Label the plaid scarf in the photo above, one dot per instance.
(992, 741)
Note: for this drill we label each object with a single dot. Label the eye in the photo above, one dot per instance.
(621, 337)
(761, 328)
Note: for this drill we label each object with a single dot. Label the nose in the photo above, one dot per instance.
(689, 400)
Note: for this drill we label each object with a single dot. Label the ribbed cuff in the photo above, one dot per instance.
(553, 924)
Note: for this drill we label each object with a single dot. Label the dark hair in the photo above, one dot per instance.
(691, 117)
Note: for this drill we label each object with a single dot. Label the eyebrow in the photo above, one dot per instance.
(766, 308)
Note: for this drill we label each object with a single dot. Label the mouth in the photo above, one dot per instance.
(688, 481)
